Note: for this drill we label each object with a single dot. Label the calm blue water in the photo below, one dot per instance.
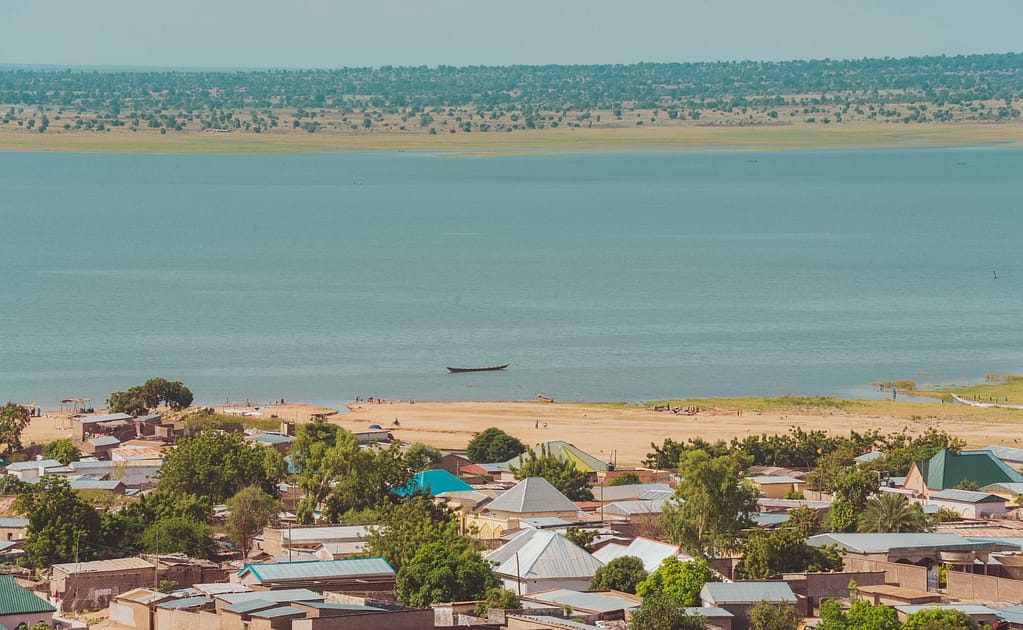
(600, 277)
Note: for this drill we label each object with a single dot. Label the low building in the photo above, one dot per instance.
(651, 552)
(595, 605)
(968, 504)
(924, 549)
(537, 560)
(92, 585)
(20, 607)
(100, 447)
(947, 470)
(533, 497)
(12, 529)
(738, 597)
(433, 482)
(343, 540)
(772, 487)
(365, 576)
(32, 470)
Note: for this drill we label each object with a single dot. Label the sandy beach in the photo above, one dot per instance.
(617, 431)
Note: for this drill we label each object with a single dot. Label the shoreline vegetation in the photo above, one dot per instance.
(791, 105)
(636, 426)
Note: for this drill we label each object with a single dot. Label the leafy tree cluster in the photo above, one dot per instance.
(766, 554)
(494, 445)
(712, 503)
(678, 582)
(862, 615)
(217, 464)
(13, 420)
(63, 450)
(816, 449)
(933, 82)
(139, 399)
(627, 479)
(624, 574)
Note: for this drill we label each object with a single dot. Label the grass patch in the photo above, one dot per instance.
(801, 404)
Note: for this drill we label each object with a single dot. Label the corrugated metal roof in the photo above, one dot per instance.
(632, 491)
(558, 622)
(284, 595)
(282, 611)
(323, 534)
(549, 555)
(1006, 453)
(532, 495)
(711, 612)
(94, 484)
(635, 507)
(17, 600)
(433, 482)
(948, 470)
(746, 592)
(102, 566)
(966, 496)
(884, 543)
(186, 602)
(42, 463)
(969, 609)
(252, 604)
(104, 417)
(106, 440)
(588, 602)
(321, 569)
(651, 552)
(219, 588)
(13, 522)
(563, 451)
(767, 480)
(1008, 487)
(89, 463)
(329, 606)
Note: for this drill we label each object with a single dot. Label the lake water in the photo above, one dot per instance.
(599, 277)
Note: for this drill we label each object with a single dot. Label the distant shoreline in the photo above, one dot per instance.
(650, 139)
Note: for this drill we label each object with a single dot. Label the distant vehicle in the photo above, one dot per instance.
(457, 370)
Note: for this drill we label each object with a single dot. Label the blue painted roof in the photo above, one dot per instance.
(433, 482)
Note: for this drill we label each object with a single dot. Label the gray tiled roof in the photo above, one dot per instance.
(532, 495)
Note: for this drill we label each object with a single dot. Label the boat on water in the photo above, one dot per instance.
(458, 370)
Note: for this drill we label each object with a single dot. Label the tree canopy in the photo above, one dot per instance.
(713, 503)
(217, 464)
(891, 513)
(249, 511)
(13, 420)
(63, 450)
(139, 399)
(494, 445)
(439, 572)
(678, 582)
(623, 573)
(561, 473)
(61, 526)
(768, 553)
(774, 616)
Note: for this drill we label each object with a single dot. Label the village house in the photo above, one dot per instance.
(777, 487)
(532, 497)
(12, 529)
(947, 470)
(83, 586)
(967, 503)
(340, 541)
(738, 597)
(651, 552)
(535, 560)
(370, 577)
(20, 607)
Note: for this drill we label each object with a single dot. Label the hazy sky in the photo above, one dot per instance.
(322, 33)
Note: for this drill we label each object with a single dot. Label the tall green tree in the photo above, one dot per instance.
(851, 488)
(439, 572)
(63, 450)
(713, 503)
(661, 613)
(623, 573)
(494, 445)
(61, 526)
(774, 616)
(139, 399)
(421, 456)
(561, 473)
(179, 535)
(784, 551)
(862, 615)
(939, 619)
(217, 464)
(414, 522)
(677, 581)
(627, 479)
(891, 513)
(13, 420)
(249, 511)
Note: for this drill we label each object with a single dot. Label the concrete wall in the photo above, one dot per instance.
(12, 533)
(836, 585)
(984, 587)
(93, 591)
(532, 586)
(132, 614)
(396, 620)
(170, 619)
(30, 619)
(903, 575)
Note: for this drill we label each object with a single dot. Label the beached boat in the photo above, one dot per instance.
(456, 370)
(546, 399)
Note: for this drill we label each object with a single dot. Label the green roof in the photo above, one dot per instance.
(18, 600)
(948, 470)
(563, 451)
